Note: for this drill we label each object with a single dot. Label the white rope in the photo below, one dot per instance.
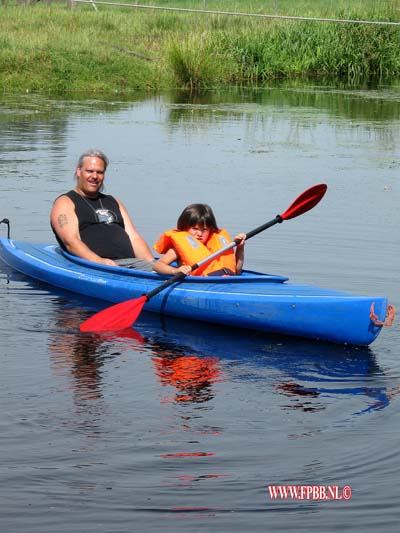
(232, 13)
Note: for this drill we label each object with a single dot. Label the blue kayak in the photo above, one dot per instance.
(253, 300)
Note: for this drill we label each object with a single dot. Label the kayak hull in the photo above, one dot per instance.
(256, 301)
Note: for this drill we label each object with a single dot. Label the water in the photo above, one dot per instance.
(182, 426)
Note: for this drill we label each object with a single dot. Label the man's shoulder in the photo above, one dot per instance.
(66, 197)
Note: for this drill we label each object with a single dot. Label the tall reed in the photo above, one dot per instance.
(350, 52)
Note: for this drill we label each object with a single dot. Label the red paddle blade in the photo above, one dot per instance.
(116, 317)
(306, 201)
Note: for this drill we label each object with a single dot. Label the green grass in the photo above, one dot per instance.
(51, 48)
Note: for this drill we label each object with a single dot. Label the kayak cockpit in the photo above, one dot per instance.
(246, 276)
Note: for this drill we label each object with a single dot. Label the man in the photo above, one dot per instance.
(96, 226)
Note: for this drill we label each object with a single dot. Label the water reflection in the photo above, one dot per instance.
(357, 103)
(34, 128)
(190, 358)
(191, 376)
(306, 374)
(84, 358)
(29, 117)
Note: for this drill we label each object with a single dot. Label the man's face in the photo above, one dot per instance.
(90, 175)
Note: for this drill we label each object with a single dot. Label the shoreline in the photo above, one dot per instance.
(50, 48)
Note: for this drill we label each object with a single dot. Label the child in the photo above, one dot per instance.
(196, 237)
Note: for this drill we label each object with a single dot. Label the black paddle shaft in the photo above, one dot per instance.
(178, 277)
(277, 220)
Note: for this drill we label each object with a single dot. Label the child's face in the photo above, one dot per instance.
(201, 234)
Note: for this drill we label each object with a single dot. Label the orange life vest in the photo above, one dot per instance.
(189, 250)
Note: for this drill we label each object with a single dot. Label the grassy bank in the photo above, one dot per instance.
(51, 48)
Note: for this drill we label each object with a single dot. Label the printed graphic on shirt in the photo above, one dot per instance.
(105, 216)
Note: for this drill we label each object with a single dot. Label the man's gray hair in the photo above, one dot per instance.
(93, 153)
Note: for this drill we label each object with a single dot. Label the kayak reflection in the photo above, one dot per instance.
(191, 356)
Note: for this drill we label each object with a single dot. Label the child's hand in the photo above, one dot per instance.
(185, 269)
(242, 238)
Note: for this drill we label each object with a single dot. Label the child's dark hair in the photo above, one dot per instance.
(197, 215)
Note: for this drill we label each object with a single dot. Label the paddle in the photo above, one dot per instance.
(124, 314)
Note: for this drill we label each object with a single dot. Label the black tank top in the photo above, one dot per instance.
(101, 226)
